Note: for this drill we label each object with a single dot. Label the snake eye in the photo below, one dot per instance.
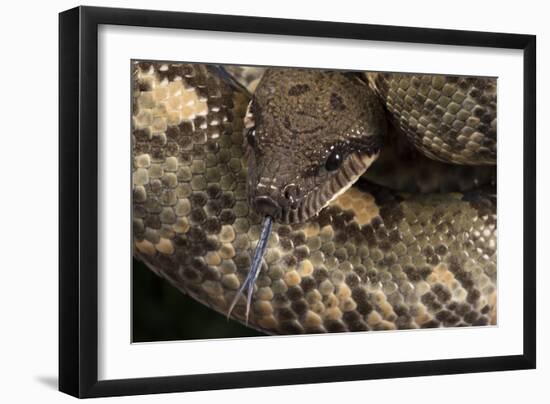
(251, 137)
(334, 160)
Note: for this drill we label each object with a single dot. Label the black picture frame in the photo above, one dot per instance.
(78, 201)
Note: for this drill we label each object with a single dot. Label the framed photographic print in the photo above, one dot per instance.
(252, 201)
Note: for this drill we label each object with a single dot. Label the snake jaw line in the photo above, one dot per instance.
(367, 160)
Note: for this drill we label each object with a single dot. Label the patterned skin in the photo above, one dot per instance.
(372, 260)
(449, 118)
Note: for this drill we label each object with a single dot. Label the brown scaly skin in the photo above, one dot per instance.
(449, 118)
(372, 260)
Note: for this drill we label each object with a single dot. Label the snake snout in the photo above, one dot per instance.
(278, 201)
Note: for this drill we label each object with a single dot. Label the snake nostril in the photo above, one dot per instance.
(291, 192)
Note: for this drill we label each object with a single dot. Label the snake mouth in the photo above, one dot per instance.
(353, 167)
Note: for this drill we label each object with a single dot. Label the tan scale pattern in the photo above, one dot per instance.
(370, 261)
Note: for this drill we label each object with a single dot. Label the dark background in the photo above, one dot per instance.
(160, 312)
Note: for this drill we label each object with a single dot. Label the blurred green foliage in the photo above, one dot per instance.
(160, 312)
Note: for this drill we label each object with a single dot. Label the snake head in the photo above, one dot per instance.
(311, 135)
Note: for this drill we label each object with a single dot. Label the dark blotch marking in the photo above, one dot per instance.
(298, 238)
(227, 200)
(341, 237)
(181, 242)
(211, 274)
(368, 233)
(212, 225)
(348, 216)
(354, 321)
(198, 199)
(433, 260)
(215, 206)
(172, 149)
(197, 249)
(475, 93)
(412, 273)
(198, 216)
(172, 132)
(429, 300)
(298, 89)
(294, 293)
(352, 280)
(280, 300)
(191, 274)
(431, 324)
(473, 296)
(196, 235)
(442, 292)
(373, 276)
(144, 86)
(186, 128)
(158, 152)
(360, 296)
(385, 245)
(198, 264)
(443, 315)
(361, 272)
(285, 314)
(339, 223)
(481, 321)
(212, 146)
(227, 216)
(377, 222)
(389, 259)
(299, 306)
(290, 260)
(153, 221)
(320, 274)
(324, 218)
(441, 249)
(452, 320)
(337, 103)
(341, 254)
(242, 261)
(462, 309)
(171, 267)
(291, 327)
(156, 186)
(335, 326)
(212, 244)
(428, 251)
(401, 310)
(308, 283)
(394, 236)
(471, 317)
(142, 134)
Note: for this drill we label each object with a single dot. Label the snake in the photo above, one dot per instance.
(380, 189)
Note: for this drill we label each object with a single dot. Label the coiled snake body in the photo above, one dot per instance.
(373, 258)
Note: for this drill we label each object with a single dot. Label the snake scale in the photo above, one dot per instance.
(421, 256)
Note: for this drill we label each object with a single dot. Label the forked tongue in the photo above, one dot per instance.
(254, 271)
